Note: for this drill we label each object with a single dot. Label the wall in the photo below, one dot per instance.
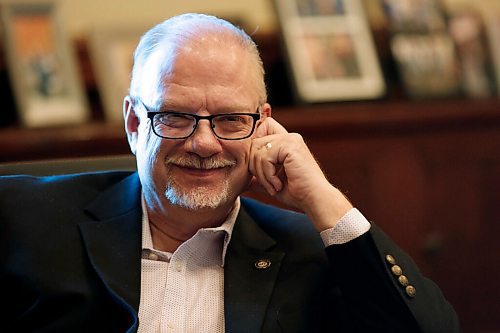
(81, 16)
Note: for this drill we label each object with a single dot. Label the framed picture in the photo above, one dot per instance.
(414, 15)
(493, 34)
(111, 51)
(42, 66)
(428, 64)
(466, 27)
(330, 50)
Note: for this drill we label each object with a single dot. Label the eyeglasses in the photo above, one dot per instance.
(179, 125)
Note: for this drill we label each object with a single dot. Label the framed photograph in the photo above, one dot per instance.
(42, 66)
(493, 34)
(330, 50)
(466, 27)
(428, 64)
(414, 15)
(111, 52)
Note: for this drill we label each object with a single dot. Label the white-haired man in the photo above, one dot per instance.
(173, 247)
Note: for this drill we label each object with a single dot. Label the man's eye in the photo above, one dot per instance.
(176, 120)
(231, 118)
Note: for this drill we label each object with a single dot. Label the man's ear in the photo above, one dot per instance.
(131, 123)
(265, 111)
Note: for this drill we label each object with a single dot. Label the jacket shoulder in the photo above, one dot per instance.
(27, 188)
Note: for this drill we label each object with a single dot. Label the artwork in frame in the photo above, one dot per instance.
(42, 66)
(467, 28)
(428, 64)
(408, 16)
(493, 34)
(330, 50)
(111, 51)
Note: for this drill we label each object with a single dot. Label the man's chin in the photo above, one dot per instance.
(197, 198)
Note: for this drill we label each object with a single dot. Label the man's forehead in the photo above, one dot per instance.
(189, 99)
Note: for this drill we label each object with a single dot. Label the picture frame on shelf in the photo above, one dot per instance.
(467, 28)
(330, 50)
(428, 64)
(413, 16)
(42, 66)
(111, 53)
(492, 25)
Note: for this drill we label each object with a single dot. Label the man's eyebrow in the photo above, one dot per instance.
(233, 109)
(170, 105)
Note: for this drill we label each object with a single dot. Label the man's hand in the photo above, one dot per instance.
(284, 166)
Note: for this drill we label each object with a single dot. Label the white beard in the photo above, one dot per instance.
(198, 197)
(201, 196)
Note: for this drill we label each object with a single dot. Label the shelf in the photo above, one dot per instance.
(92, 139)
(390, 117)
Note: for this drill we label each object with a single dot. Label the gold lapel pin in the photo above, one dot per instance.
(262, 263)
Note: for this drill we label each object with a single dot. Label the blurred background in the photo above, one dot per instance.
(398, 100)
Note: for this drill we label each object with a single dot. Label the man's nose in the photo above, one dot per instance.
(203, 141)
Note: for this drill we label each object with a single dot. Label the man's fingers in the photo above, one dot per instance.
(263, 172)
(264, 161)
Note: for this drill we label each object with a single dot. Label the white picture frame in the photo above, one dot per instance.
(111, 52)
(42, 66)
(330, 50)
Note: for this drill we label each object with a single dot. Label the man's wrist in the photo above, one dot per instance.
(327, 208)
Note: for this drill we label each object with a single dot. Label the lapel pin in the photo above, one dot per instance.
(262, 263)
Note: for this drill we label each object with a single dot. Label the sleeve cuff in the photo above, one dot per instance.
(352, 225)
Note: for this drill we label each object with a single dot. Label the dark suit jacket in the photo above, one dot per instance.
(70, 250)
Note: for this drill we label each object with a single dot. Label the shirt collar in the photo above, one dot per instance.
(226, 228)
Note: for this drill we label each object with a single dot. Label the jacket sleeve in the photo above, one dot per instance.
(384, 290)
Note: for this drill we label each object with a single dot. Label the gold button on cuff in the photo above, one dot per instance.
(262, 263)
(403, 280)
(411, 291)
(396, 270)
(390, 259)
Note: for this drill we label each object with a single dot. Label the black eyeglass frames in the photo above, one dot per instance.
(180, 125)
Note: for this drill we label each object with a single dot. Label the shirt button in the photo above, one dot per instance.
(178, 266)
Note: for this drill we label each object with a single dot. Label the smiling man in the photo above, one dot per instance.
(173, 247)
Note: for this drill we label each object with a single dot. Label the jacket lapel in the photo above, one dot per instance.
(113, 242)
(248, 288)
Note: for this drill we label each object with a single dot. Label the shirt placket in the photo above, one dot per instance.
(174, 311)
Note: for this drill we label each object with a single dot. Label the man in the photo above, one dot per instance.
(174, 248)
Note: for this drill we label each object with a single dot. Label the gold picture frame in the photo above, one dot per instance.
(42, 66)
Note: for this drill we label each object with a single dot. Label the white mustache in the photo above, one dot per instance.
(199, 163)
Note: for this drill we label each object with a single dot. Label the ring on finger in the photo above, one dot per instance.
(268, 145)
